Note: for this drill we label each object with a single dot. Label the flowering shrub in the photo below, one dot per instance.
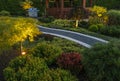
(71, 61)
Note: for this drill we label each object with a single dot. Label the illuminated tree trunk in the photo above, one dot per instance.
(76, 23)
(21, 47)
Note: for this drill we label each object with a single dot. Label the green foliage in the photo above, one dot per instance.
(61, 23)
(25, 68)
(113, 31)
(4, 13)
(14, 6)
(59, 75)
(98, 15)
(14, 30)
(102, 62)
(98, 11)
(47, 51)
(113, 17)
(46, 19)
(84, 24)
(109, 4)
(93, 28)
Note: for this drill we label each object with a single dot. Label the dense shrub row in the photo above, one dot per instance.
(102, 62)
(61, 23)
(29, 68)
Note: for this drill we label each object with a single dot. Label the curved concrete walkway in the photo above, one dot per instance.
(79, 38)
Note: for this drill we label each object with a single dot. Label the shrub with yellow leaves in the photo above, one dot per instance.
(99, 13)
(27, 4)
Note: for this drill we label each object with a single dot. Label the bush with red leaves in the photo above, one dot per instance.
(70, 61)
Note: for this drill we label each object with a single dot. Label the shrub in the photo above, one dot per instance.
(84, 24)
(102, 62)
(59, 75)
(98, 11)
(47, 19)
(61, 23)
(93, 28)
(113, 17)
(25, 68)
(47, 37)
(113, 31)
(98, 15)
(71, 61)
(100, 26)
(46, 51)
(4, 13)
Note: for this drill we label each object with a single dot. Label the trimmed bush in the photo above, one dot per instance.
(84, 24)
(25, 68)
(58, 75)
(47, 51)
(102, 62)
(93, 28)
(4, 13)
(113, 17)
(71, 61)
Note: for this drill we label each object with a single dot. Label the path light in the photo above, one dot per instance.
(23, 53)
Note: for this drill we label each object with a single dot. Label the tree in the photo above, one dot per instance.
(14, 30)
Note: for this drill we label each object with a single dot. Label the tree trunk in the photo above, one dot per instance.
(76, 23)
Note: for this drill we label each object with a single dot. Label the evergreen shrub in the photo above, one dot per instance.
(102, 62)
(46, 51)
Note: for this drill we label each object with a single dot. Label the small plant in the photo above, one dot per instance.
(83, 24)
(102, 62)
(4, 13)
(93, 28)
(71, 61)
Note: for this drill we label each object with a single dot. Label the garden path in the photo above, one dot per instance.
(82, 39)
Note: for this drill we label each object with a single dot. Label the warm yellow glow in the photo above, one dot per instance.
(23, 53)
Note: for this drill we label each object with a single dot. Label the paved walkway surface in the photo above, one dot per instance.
(79, 38)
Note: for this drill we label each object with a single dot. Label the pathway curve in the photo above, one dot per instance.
(79, 38)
